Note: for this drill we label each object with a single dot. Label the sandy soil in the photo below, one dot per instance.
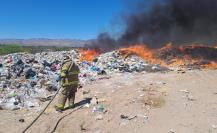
(172, 102)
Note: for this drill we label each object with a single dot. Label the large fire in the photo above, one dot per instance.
(169, 55)
(142, 51)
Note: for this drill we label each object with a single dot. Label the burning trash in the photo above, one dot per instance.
(25, 78)
(88, 55)
(169, 55)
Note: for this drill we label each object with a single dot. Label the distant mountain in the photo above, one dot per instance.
(46, 42)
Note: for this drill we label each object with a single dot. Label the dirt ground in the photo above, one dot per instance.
(172, 102)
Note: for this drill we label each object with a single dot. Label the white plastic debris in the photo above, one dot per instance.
(99, 117)
(27, 78)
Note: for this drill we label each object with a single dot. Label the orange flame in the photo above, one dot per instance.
(88, 54)
(211, 65)
(179, 56)
(168, 55)
(141, 51)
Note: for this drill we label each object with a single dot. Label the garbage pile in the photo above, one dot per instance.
(28, 80)
(115, 62)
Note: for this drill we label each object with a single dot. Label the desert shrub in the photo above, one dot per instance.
(8, 49)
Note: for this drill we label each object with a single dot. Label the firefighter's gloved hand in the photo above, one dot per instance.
(80, 86)
(67, 72)
(64, 74)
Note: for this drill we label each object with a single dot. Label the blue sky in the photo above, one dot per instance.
(75, 19)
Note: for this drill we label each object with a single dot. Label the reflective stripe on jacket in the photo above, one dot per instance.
(69, 74)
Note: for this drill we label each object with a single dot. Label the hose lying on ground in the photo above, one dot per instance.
(64, 117)
(41, 112)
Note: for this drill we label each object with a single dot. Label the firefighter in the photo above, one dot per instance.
(69, 83)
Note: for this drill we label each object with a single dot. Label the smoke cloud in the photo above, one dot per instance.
(177, 21)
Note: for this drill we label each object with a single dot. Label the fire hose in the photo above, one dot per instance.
(45, 109)
(64, 117)
(41, 112)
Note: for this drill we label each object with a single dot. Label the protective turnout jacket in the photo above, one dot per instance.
(69, 74)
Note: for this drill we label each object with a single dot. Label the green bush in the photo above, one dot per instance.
(8, 49)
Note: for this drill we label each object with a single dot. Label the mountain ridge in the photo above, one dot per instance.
(46, 42)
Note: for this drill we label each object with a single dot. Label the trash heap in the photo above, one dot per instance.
(108, 63)
(28, 80)
(115, 62)
(90, 72)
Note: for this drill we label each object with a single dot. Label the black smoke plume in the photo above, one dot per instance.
(164, 21)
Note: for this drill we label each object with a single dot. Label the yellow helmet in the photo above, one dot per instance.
(66, 57)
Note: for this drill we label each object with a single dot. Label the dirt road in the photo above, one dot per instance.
(173, 102)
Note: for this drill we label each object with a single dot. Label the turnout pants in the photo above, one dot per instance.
(67, 93)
